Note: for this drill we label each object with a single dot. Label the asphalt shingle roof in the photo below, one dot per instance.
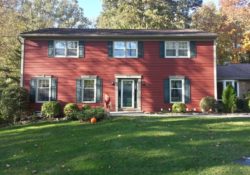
(234, 71)
(115, 32)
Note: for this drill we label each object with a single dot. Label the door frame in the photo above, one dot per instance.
(133, 93)
(138, 99)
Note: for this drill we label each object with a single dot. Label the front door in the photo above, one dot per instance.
(127, 93)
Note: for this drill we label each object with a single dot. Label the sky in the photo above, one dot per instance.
(92, 8)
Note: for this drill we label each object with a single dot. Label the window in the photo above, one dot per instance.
(88, 90)
(127, 49)
(176, 90)
(66, 48)
(177, 49)
(221, 85)
(43, 90)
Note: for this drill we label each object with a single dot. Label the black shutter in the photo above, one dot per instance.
(79, 90)
(50, 48)
(140, 49)
(166, 91)
(33, 85)
(98, 90)
(110, 48)
(81, 49)
(193, 51)
(162, 49)
(53, 89)
(187, 91)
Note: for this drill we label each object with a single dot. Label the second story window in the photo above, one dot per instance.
(66, 48)
(177, 49)
(128, 49)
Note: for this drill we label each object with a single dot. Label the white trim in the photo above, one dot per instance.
(128, 76)
(183, 89)
(215, 72)
(22, 62)
(65, 52)
(125, 56)
(176, 50)
(37, 83)
(95, 91)
(133, 93)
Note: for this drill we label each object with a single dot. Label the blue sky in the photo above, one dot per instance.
(92, 8)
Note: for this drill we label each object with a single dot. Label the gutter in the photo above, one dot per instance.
(21, 39)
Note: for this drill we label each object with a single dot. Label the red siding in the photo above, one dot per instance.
(154, 70)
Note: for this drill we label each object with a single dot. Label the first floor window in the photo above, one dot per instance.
(177, 49)
(66, 48)
(43, 90)
(221, 85)
(89, 90)
(125, 49)
(177, 90)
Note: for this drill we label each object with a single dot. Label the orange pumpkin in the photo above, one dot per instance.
(93, 120)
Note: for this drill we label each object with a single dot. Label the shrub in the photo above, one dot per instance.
(51, 109)
(179, 107)
(249, 104)
(229, 99)
(13, 104)
(207, 103)
(86, 106)
(99, 113)
(70, 110)
(242, 105)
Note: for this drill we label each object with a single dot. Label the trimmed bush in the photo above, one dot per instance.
(86, 106)
(229, 99)
(13, 104)
(179, 107)
(242, 105)
(249, 104)
(51, 109)
(70, 110)
(207, 103)
(99, 113)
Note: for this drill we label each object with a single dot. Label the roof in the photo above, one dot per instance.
(78, 32)
(233, 72)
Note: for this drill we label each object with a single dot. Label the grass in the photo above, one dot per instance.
(127, 145)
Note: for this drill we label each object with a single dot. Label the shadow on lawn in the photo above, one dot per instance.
(136, 145)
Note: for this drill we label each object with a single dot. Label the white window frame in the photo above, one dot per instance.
(125, 56)
(183, 89)
(224, 82)
(65, 51)
(37, 84)
(177, 49)
(82, 90)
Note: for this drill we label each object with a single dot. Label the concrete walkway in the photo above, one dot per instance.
(137, 114)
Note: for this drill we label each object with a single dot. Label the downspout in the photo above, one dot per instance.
(215, 72)
(21, 40)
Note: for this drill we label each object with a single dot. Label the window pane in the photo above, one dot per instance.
(176, 95)
(170, 52)
(131, 45)
(119, 52)
(183, 45)
(119, 45)
(60, 44)
(72, 45)
(43, 83)
(170, 45)
(43, 94)
(182, 53)
(176, 84)
(60, 52)
(229, 83)
(72, 52)
(89, 83)
(88, 95)
(131, 52)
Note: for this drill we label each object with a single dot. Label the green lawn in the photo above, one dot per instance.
(127, 145)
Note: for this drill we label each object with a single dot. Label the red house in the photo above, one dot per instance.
(140, 70)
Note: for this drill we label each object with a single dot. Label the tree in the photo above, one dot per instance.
(229, 99)
(146, 14)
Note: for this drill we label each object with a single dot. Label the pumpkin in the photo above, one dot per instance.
(93, 120)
